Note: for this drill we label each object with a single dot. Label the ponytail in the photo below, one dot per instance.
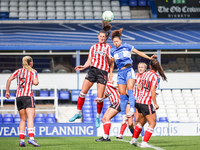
(26, 63)
(157, 67)
(106, 26)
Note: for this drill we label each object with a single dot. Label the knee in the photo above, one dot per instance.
(130, 125)
(23, 120)
(104, 119)
(107, 119)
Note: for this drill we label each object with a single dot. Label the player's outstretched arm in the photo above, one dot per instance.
(86, 65)
(7, 95)
(143, 54)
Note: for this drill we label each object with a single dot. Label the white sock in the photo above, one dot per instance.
(78, 112)
(98, 115)
(105, 136)
(22, 140)
(132, 110)
(31, 138)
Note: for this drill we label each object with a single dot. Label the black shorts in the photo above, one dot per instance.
(145, 109)
(97, 75)
(116, 106)
(24, 102)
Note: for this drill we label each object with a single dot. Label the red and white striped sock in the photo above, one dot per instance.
(31, 133)
(137, 131)
(81, 100)
(147, 134)
(22, 135)
(123, 127)
(106, 127)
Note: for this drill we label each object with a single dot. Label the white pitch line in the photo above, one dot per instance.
(66, 26)
(155, 35)
(154, 147)
(81, 25)
(151, 27)
(181, 32)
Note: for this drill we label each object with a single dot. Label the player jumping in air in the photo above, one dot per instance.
(121, 53)
(26, 77)
(99, 62)
(142, 67)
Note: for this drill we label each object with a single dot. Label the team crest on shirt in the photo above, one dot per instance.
(129, 73)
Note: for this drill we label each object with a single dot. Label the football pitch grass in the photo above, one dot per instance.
(89, 143)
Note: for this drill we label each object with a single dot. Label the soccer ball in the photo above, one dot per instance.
(108, 16)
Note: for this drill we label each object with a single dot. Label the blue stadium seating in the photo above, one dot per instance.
(142, 2)
(1, 116)
(89, 107)
(44, 92)
(133, 3)
(88, 120)
(17, 116)
(163, 119)
(124, 2)
(87, 102)
(51, 93)
(39, 120)
(17, 120)
(87, 111)
(1, 120)
(40, 116)
(8, 116)
(8, 120)
(75, 95)
(50, 116)
(50, 120)
(88, 115)
(64, 94)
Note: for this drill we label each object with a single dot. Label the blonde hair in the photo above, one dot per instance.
(142, 63)
(26, 62)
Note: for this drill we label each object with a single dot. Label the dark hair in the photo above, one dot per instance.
(157, 67)
(116, 33)
(106, 26)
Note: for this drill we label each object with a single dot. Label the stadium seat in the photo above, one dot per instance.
(39, 120)
(17, 116)
(44, 92)
(78, 3)
(163, 119)
(50, 116)
(69, 15)
(105, 3)
(23, 15)
(126, 15)
(106, 8)
(60, 9)
(51, 9)
(31, 8)
(133, 3)
(87, 3)
(184, 119)
(4, 4)
(116, 9)
(1, 120)
(115, 3)
(78, 8)
(4, 9)
(64, 94)
(125, 8)
(31, 3)
(97, 15)
(124, 2)
(40, 116)
(49, 3)
(96, 3)
(88, 102)
(50, 120)
(88, 120)
(142, 2)
(8, 115)
(8, 120)
(6, 71)
(41, 3)
(1, 116)
(75, 95)
(88, 107)
(61, 70)
(17, 120)
(117, 14)
(41, 9)
(69, 3)
(60, 15)
(32, 15)
(88, 15)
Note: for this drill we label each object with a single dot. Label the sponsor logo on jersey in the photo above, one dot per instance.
(100, 52)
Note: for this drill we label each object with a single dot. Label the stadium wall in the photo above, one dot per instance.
(175, 80)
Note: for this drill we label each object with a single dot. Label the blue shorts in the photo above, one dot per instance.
(125, 74)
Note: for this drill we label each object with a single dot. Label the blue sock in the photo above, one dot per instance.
(123, 104)
(142, 132)
(131, 98)
(131, 130)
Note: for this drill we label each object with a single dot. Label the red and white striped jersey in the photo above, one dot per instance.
(24, 82)
(148, 79)
(112, 93)
(99, 60)
(136, 91)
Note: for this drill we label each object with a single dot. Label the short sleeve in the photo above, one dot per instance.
(15, 73)
(91, 52)
(34, 74)
(155, 81)
(130, 47)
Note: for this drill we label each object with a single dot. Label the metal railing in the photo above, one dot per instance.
(55, 98)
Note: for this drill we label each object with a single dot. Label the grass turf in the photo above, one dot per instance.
(89, 143)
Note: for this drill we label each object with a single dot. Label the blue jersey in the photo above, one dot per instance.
(122, 55)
